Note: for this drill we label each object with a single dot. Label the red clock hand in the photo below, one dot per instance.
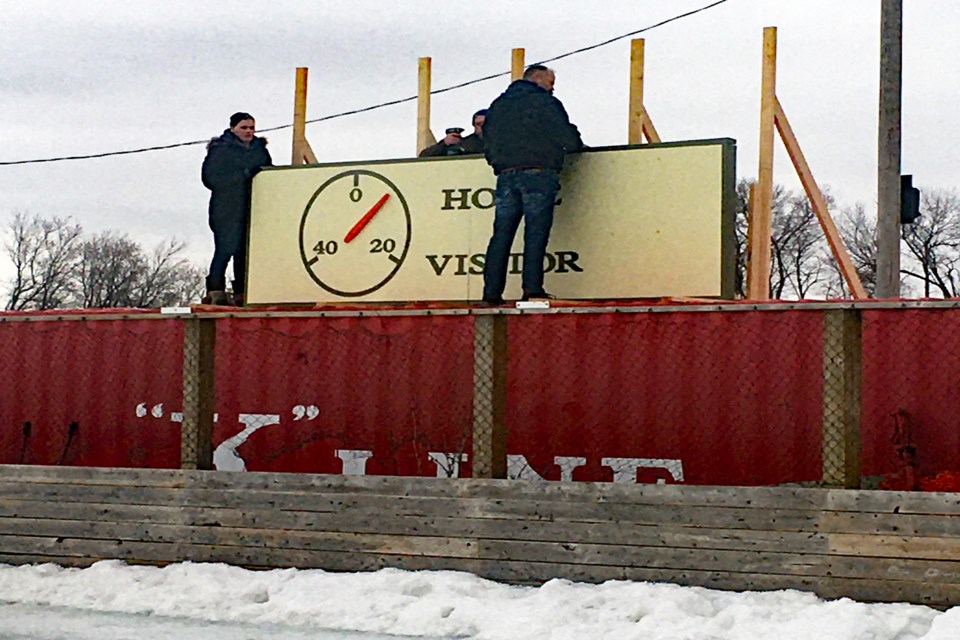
(362, 222)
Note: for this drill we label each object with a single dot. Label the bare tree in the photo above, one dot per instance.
(117, 273)
(55, 267)
(168, 278)
(933, 241)
(859, 234)
(740, 236)
(795, 265)
(45, 254)
(110, 267)
(797, 245)
(741, 230)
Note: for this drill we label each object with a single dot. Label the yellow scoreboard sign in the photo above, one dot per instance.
(637, 221)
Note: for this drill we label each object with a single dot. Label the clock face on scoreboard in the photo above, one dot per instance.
(355, 233)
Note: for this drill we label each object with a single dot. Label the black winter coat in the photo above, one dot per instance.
(227, 171)
(471, 144)
(527, 127)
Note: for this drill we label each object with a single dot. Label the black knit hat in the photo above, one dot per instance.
(239, 117)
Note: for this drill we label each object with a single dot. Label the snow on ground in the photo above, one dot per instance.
(34, 622)
(113, 601)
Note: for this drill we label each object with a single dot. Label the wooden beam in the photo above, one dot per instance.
(759, 249)
(306, 152)
(300, 118)
(639, 123)
(636, 111)
(819, 203)
(648, 129)
(425, 137)
(517, 64)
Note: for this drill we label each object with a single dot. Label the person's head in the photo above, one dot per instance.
(478, 119)
(243, 126)
(541, 75)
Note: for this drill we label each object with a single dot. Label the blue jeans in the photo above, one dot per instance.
(229, 241)
(527, 195)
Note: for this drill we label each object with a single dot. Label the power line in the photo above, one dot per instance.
(380, 105)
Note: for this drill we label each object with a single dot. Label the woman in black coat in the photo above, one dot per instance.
(228, 169)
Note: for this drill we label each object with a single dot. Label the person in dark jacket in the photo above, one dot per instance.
(454, 145)
(228, 169)
(526, 136)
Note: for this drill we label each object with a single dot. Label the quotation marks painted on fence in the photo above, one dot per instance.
(225, 455)
(309, 412)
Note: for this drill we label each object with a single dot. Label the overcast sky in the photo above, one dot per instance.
(93, 76)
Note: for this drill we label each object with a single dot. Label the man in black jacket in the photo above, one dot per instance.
(232, 160)
(526, 135)
(454, 145)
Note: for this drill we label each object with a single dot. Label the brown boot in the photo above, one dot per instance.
(218, 298)
(237, 293)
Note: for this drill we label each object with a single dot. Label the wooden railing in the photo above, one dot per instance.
(867, 545)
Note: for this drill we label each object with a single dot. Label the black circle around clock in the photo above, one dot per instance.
(355, 233)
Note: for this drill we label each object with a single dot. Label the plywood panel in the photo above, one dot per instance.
(652, 214)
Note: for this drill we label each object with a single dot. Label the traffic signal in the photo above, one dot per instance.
(909, 200)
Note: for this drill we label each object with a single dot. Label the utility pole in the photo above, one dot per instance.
(888, 165)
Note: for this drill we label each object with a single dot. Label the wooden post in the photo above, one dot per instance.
(517, 64)
(196, 429)
(299, 115)
(635, 120)
(425, 137)
(302, 152)
(639, 123)
(841, 398)
(759, 249)
(489, 454)
(819, 204)
(759, 224)
(888, 149)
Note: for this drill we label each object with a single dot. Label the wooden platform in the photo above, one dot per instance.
(867, 545)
